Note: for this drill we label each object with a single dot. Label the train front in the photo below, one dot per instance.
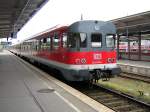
(91, 52)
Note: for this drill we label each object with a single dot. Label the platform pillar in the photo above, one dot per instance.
(127, 34)
(128, 48)
(118, 42)
(139, 46)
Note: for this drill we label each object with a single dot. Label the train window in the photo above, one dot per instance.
(44, 40)
(48, 40)
(48, 43)
(39, 44)
(56, 41)
(77, 39)
(43, 44)
(83, 39)
(64, 40)
(71, 41)
(36, 45)
(110, 40)
(96, 40)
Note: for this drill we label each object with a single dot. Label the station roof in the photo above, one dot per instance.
(134, 23)
(15, 13)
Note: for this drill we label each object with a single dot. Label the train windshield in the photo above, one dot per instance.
(110, 40)
(77, 40)
(96, 40)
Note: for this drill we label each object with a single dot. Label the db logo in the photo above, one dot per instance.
(97, 56)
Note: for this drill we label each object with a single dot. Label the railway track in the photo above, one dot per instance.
(136, 77)
(119, 102)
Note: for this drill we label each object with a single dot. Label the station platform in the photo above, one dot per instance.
(136, 67)
(24, 88)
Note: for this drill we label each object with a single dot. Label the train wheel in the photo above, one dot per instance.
(106, 76)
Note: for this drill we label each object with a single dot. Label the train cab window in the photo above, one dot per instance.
(96, 40)
(77, 40)
(110, 40)
(83, 39)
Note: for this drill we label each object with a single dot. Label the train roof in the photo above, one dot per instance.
(48, 32)
(92, 26)
(79, 26)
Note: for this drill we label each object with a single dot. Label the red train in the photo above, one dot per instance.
(82, 51)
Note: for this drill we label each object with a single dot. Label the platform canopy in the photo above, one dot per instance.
(15, 13)
(137, 23)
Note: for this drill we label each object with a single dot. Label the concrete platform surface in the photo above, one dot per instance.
(23, 89)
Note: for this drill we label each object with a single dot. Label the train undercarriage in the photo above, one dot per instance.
(105, 75)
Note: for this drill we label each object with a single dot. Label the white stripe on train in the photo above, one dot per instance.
(75, 67)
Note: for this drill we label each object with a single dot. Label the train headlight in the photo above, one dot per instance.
(80, 61)
(110, 60)
(113, 59)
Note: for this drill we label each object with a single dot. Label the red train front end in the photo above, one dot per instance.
(90, 51)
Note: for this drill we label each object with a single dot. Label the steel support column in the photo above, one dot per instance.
(139, 46)
(128, 47)
(118, 42)
(127, 34)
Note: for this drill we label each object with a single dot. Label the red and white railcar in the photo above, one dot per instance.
(81, 51)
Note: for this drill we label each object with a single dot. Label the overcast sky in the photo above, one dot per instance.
(68, 11)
